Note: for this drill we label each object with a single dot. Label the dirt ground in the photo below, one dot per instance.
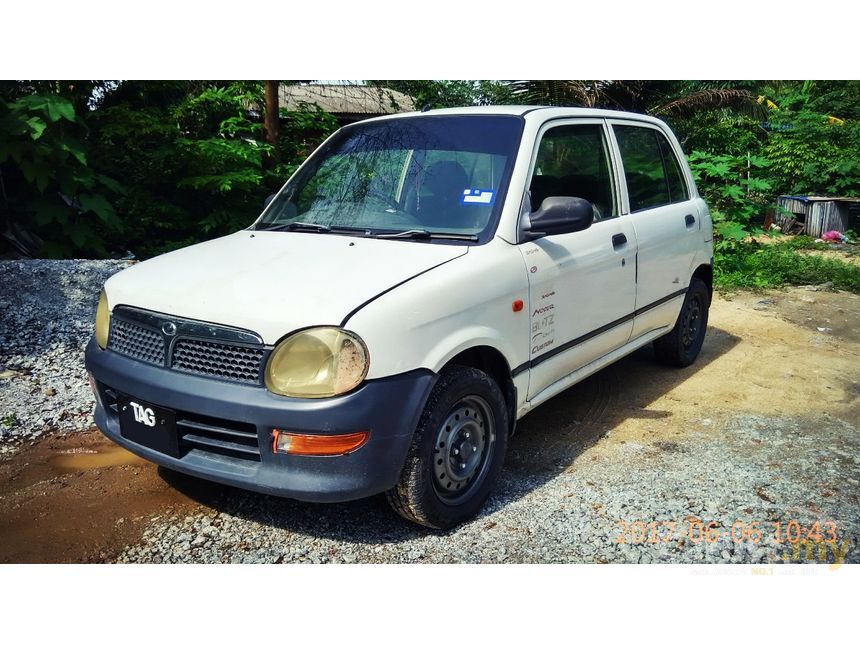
(78, 498)
(792, 352)
(796, 352)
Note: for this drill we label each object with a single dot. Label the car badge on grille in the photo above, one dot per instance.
(168, 328)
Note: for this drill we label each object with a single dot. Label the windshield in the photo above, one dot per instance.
(423, 176)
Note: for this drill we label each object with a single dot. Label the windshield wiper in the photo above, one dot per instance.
(317, 228)
(422, 234)
(296, 226)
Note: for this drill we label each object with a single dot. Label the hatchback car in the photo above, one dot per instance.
(419, 284)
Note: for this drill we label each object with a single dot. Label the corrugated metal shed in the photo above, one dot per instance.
(813, 215)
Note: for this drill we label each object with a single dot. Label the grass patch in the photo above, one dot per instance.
(799, 242)
(757, 266)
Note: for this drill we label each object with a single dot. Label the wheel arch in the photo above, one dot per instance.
(493, 363)
(705, 273)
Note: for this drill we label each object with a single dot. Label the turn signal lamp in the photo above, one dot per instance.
(317, 445)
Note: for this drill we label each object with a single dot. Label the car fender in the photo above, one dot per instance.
(464, 303)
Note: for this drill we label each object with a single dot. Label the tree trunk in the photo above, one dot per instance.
(271, 121)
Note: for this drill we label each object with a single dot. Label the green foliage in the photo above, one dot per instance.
(301, 132)
(812, 156)
(46, 177)
(799, 242)
(100, 168)
(195, 160)
(762, 266)
(720, 132)
(737, 195)
(741, 166)
(106, 168)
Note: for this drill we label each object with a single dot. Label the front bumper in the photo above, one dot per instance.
(388, 407)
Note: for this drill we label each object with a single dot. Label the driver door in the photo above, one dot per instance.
(582, 285)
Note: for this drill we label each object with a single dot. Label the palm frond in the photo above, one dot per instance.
(556, 92)
(710, 99)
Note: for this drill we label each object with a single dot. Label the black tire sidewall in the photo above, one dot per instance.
(688, 355)
(454, 384)
(669, 349)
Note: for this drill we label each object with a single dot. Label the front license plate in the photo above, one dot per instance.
(148, 425)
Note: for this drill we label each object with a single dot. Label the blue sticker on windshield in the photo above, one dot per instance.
(478, 196)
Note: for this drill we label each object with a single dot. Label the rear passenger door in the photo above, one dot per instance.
(581, 284)
(657, 200)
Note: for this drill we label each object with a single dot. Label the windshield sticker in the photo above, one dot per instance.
(478, 196)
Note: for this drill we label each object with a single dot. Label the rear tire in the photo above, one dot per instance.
(457, 451)
(682, 345)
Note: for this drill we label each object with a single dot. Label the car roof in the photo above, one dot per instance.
(529, 112)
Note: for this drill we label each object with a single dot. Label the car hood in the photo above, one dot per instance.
(274, 282)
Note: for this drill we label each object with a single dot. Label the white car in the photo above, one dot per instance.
(422, 281)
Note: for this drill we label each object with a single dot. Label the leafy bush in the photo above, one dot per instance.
(301, 132)
(810, 155)
(46, 178)
(98, 169)
(194, 159)
(738, 197)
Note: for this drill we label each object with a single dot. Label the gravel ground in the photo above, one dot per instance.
(47, 309)
(760, 470)
(762, 430)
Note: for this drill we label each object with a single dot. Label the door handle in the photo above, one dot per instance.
(619, 239)
(689, 220)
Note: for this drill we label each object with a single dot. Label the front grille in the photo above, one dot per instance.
(231, 362)
(136, 341)
(192, 346)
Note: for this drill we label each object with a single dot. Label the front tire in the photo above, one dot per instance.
(682, 345)
(457, 452)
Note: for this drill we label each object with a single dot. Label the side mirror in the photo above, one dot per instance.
(559, 215)
(268, 200)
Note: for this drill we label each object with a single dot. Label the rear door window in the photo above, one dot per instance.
(677, 185)
(652, 171)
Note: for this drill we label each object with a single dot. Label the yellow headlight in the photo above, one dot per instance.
(317, 363)
(102, 321)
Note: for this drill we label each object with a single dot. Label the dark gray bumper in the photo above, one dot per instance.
(388, 407)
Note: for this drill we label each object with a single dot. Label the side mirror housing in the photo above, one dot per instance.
(268, 200)
(558, 215)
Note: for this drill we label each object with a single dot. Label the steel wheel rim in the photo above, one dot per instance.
(692, 322)
(462, 448)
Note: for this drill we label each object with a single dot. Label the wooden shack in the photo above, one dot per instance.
(811, 215)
